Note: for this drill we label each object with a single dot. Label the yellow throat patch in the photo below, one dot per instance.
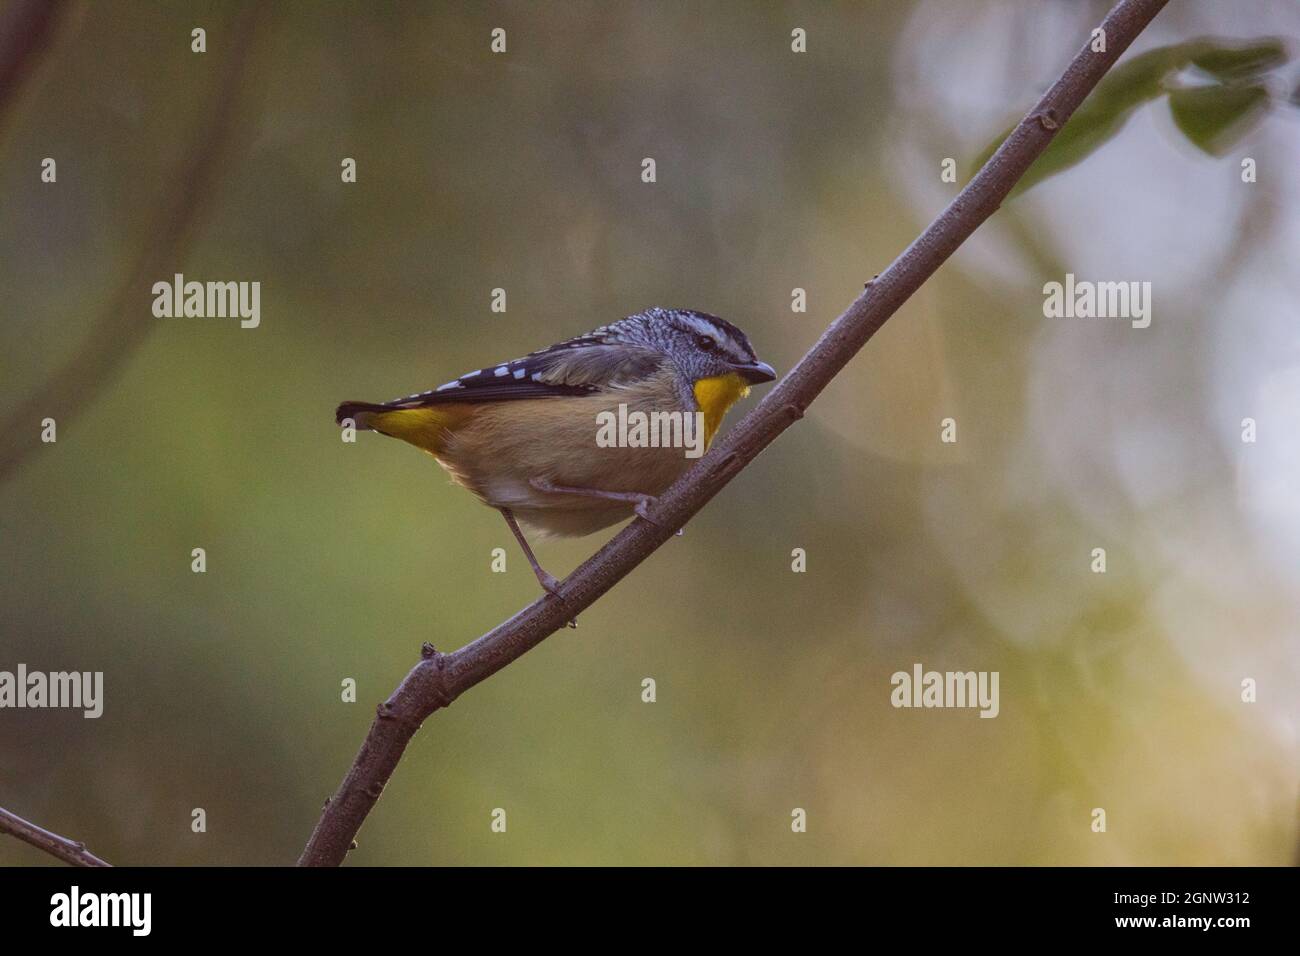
(716, 395)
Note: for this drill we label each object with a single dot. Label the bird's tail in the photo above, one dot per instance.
(361, 413)
(424, 426)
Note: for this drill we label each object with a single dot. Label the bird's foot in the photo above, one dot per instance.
(551, 585)
(642, 508)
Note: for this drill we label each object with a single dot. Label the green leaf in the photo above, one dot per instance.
(1214, 118)
(1229, 63)
(1104, 113)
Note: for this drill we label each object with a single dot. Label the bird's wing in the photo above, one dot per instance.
(579, 366)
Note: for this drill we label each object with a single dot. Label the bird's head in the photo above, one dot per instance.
(700, 345)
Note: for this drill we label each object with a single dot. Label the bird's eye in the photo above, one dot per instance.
(706, 342)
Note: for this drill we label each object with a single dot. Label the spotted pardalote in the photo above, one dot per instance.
(522, 435)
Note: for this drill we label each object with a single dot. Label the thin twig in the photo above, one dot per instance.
(128, 318)
(69, 851)
(440, 678)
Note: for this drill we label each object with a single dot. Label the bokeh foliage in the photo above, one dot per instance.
(328, 560)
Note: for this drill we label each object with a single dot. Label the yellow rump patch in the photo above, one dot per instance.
(425, 428)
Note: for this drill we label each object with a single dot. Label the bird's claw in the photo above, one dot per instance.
(642, 508)
(551, 584)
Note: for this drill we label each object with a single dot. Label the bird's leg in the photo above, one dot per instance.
(642, 501)
(547, 581)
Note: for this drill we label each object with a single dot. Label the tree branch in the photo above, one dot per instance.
(440, 678)
(69, 851)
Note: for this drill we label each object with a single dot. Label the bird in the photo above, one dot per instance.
(522, 435)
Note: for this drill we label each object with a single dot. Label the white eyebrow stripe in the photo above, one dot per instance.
(705, 327)
(719, 334)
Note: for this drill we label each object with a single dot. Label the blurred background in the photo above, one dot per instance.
(775, 171)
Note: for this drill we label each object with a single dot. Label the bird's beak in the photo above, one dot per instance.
(755, 373)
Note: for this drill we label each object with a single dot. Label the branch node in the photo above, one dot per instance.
(427, 650)
(729, 465)
(1047, 119)
(386, 711)
(443, 699)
